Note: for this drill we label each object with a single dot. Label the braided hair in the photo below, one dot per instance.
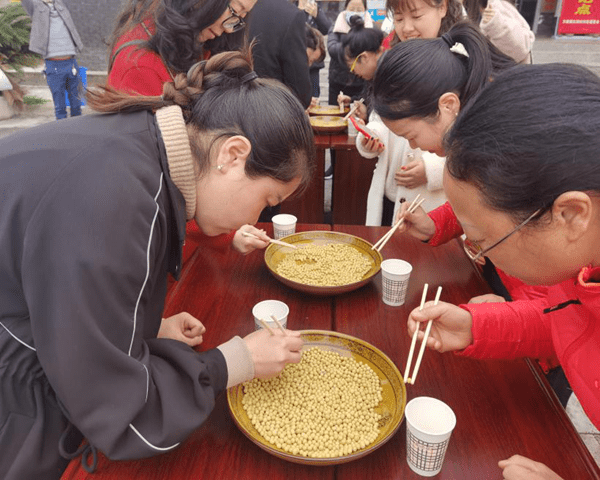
(222, 97)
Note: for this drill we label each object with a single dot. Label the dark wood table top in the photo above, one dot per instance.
(502, 407)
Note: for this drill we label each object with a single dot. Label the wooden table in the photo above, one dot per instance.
(310, 206)
(502, 407)
(352, 177)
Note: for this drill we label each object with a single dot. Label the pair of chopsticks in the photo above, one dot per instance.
(271, 240)
(379, 244)
(266, 326)
(411, 379)
(354, 108)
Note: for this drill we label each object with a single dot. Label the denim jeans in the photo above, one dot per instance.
(60, 78)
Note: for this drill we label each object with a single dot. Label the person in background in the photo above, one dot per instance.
(518, 204)
(504, 26)
(54, 36)
(95, 212)
(152, 41)
(340, 77)
(316, 52)
(421, 19)
(317, 19)
(277, 27)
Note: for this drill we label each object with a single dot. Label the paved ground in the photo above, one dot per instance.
(584, 51)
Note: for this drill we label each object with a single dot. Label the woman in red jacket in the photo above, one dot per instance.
(523, 178)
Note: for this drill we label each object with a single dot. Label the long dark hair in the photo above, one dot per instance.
(529, 136)
(221, 98)
(360, 39)
(178, 24)
(412, 76)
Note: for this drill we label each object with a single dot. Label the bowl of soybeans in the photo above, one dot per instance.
(344, 400)
(324, 263)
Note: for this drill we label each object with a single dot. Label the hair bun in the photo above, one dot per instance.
(356, 22)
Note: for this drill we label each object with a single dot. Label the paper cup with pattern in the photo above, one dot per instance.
(429, 424)
(394, 278)
(263, 310)
(284, 224)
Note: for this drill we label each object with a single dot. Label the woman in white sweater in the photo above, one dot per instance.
(401, 171)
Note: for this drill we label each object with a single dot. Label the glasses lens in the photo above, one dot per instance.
(472, 249)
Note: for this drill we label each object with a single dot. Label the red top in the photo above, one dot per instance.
(566, 323)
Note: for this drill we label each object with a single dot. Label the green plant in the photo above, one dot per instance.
(15, 26)
(33, 100)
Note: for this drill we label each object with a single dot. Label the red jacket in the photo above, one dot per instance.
(143, 72)
(565, 323)
(138, 70)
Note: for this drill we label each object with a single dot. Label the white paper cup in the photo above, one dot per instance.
(429, 424)
(284, 224)
(263, 310)
(352, 131)
(394, 278)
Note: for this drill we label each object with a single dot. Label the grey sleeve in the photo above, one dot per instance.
(92, 252)
(28, 6)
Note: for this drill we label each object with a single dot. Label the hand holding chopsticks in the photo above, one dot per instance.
(270, 330)
(271, 240)
(411, 379)
(379, 244)
(357, 104)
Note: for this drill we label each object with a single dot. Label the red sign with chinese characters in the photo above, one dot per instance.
(579, 17)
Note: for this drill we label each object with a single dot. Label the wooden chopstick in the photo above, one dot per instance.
(385, 238)
(264, 324)
(271, 240)
(353, 109)
(274, 318)
(424, 344)
(414, 338)
(389, 232)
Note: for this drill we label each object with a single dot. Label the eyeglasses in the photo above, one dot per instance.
(233, 23)
(355, 61)
(474, 250)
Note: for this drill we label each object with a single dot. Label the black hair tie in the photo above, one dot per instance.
(446, 38)
(249, 77)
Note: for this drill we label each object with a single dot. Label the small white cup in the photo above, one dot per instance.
(394, 278)
(284, 224)
(429, 424)
(352, 131)
(263, 311)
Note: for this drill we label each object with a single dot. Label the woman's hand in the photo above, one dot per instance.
(418, 224)
(343, 100)
(522, 468)
(372, 145)
(487, 298)
(272, 352)
(361, 111)
(246, 244)
(451, 327)
(487, 14)
(182, 327)
(411, 175)
(311, 8)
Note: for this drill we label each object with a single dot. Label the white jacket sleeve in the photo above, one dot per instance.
(434, 169)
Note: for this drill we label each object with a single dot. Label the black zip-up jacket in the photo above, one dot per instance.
(90, 224)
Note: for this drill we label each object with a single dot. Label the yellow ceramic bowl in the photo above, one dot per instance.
(391, 407)
(333, 110)
(328, 124)
(275, 254)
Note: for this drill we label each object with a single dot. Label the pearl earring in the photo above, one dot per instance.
(220, 167)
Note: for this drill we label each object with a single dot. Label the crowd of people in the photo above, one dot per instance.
(201, 127)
